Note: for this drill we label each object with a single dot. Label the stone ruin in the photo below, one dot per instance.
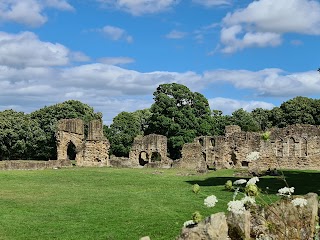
(92, 150)
(293, 147)
(150, 149)
(146, 151)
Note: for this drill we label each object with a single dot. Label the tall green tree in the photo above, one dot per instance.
(48, 117)
(125, 127)
(299, 110)
(20, 136)
(219, 122)
(245, 120)
(180, 115)
(262, 117)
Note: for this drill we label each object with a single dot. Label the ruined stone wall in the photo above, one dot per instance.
(93, 151)
(147, 149)
(70, 131)
(96, 147)
(294, 147)
(192, 157)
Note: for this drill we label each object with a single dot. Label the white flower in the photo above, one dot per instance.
(299, 202)
(211, 201)
(285, 191)
(236, 207)
(253, 180)
(248, 199)
(188, 223)
(239, 182)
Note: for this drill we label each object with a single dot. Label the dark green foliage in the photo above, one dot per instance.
(125, 127)
(180, 115)
(20, 136)
(299, 110)
(245, 120)
(262, 117)
(48, 117)
(219, 122)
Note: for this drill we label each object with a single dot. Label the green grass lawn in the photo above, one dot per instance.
(107, 203)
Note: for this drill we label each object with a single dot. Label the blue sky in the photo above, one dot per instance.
(112, 54)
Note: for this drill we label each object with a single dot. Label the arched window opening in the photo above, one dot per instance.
(71, 151)
(291, 147)
(279, 147)
(201, 141)
(155, 157)
(143, 158)
(213, 142)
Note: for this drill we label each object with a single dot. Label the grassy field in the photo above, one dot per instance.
(106, 203)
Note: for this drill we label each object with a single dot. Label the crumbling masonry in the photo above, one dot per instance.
(293, 147)
(90, 151)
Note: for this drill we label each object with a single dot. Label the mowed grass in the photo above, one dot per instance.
(108, 203)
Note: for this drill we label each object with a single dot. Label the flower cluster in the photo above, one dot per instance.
(236, 206)
(299, 202)
(239, 182)
(239, 206)
(253, 181)
(286, 192)
(211, 201)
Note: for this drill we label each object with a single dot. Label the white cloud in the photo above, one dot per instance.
(26, 50)
(233, 42)
(29, 12)
(32, 79)
(140, 7)
(268, 82)
(212, 3)
(116, 34)
(174, 34)
(79, 57)
(58, 4)
(262, 23)
(116, 60)
(228, 105)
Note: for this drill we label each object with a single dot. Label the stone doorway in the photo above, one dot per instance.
(71, 151)
(143, 158)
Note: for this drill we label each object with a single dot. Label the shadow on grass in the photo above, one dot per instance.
(303, 182)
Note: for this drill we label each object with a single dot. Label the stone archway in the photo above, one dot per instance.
(71, 151)
(155, 157)
(143, 158)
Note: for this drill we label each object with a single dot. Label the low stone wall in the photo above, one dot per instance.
(120, 162)
(32, 164)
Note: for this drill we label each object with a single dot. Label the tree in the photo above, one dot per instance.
(245, 120)
(262, 116)
(219, 122)
(299, 110)
(178, 114)
(48, 117)
(125, 127)
(20, 136)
